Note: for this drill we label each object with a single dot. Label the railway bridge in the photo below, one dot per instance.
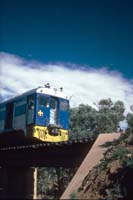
(19, 163)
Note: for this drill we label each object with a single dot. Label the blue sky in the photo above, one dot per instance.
(85, 32)
(86, 46)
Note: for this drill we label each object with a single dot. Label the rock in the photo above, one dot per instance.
(114, 166)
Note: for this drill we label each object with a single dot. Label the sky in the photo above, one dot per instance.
(86, 46)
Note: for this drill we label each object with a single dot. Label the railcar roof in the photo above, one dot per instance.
(42, 90)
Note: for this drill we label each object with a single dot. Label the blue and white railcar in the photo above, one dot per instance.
(42, 113)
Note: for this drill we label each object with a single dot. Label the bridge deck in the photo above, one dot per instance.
(67, 154)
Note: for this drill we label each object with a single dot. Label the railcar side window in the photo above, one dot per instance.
(53, 103)
(9, 115)
(43, 101)
(64, 105)
(31, 104)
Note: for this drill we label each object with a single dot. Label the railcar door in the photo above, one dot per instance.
(42, 110)
(53, 111)
(9, 115)
(31, 109)
(2, 116)
(20, 106)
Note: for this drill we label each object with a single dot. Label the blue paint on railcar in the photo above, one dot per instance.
(2, 115)
(42, 110)
(47, 106)
(64, 113)
(2, 111)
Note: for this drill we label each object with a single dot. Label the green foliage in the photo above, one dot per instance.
(105, 105)
(104, 163)
(124, 155)
(82, 121)
(109, 115)
(48, 176)
(123, 137)
(106, 123)
(86, 121)
(130, 121)
(53, 181)
(128, 163)
(120, 153)
(119, 108)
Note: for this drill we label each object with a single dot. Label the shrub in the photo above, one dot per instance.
(120, 153)
(128, 163)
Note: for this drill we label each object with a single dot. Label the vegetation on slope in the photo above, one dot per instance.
(112, 179)
(86, 121)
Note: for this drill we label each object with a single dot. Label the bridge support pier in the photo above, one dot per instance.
(18, 183)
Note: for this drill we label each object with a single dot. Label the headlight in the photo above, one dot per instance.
(54, 131)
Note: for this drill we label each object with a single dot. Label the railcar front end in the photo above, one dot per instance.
(51, 118)
(42, 114)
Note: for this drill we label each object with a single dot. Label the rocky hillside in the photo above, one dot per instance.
(112, 179)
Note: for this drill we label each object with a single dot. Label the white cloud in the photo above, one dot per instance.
(85, 85)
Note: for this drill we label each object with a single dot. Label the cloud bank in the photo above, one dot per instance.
(83, 84)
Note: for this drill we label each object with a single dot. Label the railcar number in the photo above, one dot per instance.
(41, 133)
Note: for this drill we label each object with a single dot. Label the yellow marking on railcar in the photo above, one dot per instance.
(40, 113)
(42, 133)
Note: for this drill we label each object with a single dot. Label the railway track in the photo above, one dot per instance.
(43, 144)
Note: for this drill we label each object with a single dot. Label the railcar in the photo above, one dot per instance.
(41, 113)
